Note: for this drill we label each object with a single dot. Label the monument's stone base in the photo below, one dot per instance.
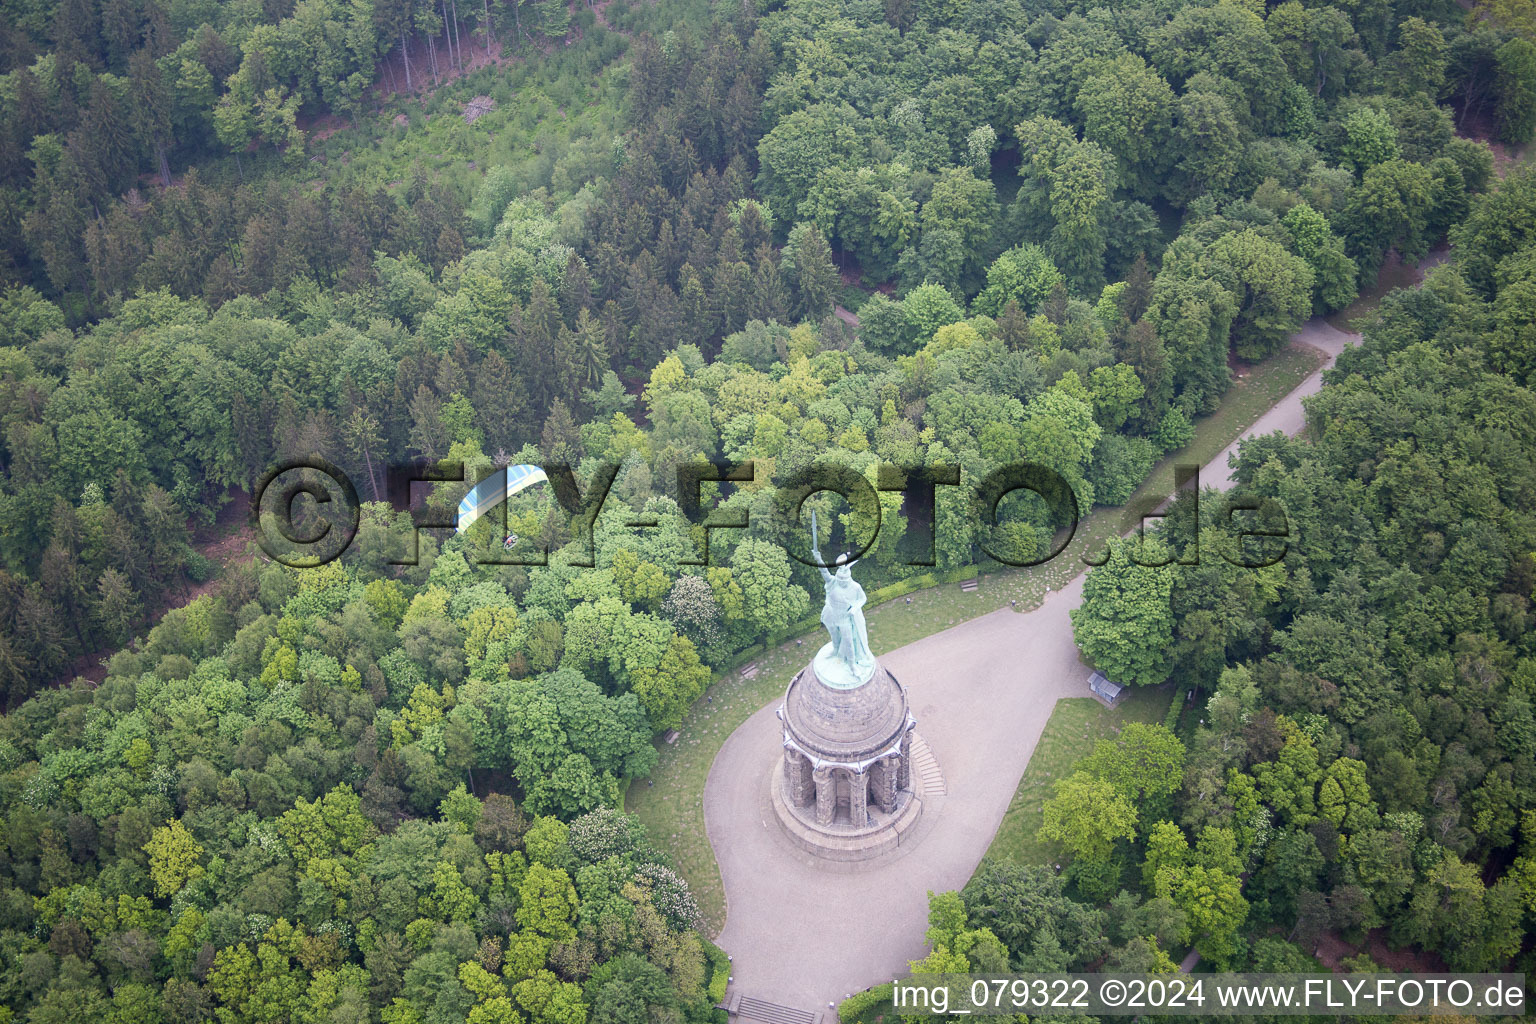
(844, 843)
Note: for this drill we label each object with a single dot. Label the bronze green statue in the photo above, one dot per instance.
(846, 661)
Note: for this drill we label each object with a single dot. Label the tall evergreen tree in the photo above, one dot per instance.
(150, 104)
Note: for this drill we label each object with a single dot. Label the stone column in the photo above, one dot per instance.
(798, 785)
(858, 798)
(884, 782)
(904, 762)
(826, 795)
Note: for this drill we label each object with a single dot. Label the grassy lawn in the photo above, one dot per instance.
(1075, 726)
(671, 802)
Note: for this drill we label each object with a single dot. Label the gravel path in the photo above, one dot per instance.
(805, 934)
(1286, 415)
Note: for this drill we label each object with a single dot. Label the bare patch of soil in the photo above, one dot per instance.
(600, 9)
(1482, 126)
(319, 127)
(226, 540)
(1332, 951)
(391, 73)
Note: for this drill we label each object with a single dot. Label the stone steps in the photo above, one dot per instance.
(925, 768)
(773, 1013)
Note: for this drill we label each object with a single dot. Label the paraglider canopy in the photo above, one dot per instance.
(495, 489)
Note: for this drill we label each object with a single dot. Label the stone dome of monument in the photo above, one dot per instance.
(845, 726)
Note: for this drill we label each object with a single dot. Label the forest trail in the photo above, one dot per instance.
(1288, 415)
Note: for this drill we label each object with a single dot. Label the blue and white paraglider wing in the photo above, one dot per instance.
(495, 489)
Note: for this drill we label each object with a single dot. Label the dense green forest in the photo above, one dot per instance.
(237, 234)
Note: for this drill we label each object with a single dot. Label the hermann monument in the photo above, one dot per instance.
(845, 787)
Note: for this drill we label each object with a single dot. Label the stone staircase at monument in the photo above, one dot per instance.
(925, 768)
(747, 1008)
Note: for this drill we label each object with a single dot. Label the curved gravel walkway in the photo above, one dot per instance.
(805, 934)
(1287, 415)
